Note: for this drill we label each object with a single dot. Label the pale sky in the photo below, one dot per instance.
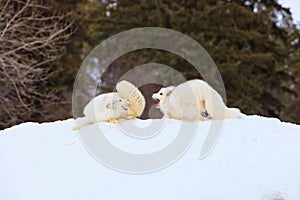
(294, 6)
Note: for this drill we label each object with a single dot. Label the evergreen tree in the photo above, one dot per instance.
(252, 42)
(84, 13)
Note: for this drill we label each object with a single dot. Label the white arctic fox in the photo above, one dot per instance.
(189, 100)
(108, 107)
(137, 102)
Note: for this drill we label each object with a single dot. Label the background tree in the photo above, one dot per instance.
(253, 42)
(85, 14)
(31, 37)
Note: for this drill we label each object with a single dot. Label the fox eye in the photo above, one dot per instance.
(161, 93)
(120, 100)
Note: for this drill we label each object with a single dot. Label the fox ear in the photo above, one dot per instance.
(109, 106)
(170, 89)
(169, 92)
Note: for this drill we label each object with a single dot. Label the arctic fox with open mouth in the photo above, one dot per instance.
(190, 100)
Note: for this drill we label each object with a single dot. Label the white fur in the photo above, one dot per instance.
(137, 101)
(107, 107)
(189, 99)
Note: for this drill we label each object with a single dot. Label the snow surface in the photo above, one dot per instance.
(255, 158)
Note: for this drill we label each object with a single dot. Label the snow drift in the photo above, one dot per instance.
(255, 158)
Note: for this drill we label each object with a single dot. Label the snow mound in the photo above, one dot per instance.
(255, 158)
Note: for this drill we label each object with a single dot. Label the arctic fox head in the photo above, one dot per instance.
(162, 94)
(117, 103)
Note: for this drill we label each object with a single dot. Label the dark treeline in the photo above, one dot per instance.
(254, 43)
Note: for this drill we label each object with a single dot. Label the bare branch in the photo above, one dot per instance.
(30, 38)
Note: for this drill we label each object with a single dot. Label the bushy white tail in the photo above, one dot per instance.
(137, 102)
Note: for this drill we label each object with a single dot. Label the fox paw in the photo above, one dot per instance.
(76, 128)
(131, 117)
(113, 121)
